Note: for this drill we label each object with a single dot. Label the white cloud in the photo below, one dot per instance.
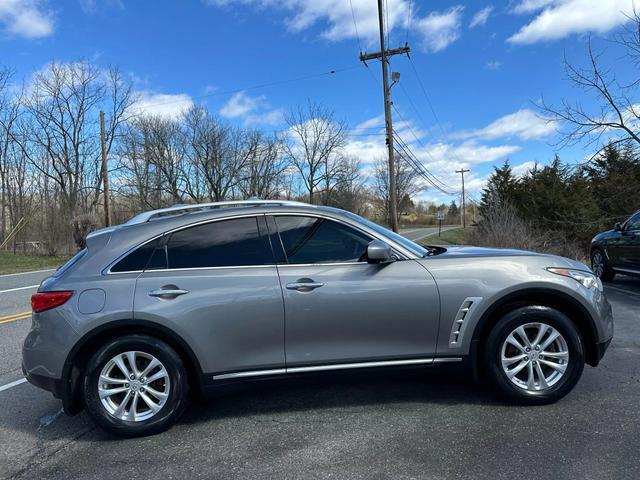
(239, 105)
(561, 18)
(336, 20)
(252, 110)
(162, 104)
(441, 158)
(91, 6)
(481, 17)
(528, 6)
(524, 124)
(523, 168)
(440, 29)
(26, 18)
(334, 15)
(493, 65)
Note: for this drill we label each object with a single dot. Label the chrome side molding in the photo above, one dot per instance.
(337, 366)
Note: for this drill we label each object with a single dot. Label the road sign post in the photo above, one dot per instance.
(440, 217)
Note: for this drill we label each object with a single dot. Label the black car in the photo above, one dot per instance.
(617, 250)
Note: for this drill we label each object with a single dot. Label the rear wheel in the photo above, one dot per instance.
(600, 267)
(534, 355)
(135, 386)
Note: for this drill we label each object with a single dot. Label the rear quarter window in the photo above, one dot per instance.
(70, 263)
(139, 259)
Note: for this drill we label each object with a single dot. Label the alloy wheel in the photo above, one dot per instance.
(133, 386)
(597, 264)
(534, 356)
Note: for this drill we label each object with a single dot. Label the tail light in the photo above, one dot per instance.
(41, 302)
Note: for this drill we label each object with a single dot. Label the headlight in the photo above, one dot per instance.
(587, 279)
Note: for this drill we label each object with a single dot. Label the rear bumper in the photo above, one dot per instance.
(49, 384)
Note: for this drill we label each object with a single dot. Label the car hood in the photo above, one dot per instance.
(462, 251)
(604, 235)
(455, 252)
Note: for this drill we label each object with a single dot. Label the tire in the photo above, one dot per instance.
(600, 267)
(171, 386)
(531, 318)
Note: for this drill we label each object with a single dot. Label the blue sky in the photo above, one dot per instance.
(483, 65)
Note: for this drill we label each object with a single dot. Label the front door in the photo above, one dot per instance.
(216, 285)
(630, 249)
(341, 309)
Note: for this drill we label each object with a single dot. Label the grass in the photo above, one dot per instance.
(455, 236)
(10, 263)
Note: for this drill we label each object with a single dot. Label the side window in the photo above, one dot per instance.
(138, 260)
(634, 222)
(318, 240)
(225, 243)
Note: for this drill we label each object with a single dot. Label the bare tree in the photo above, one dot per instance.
(616, 112)
(407, 182)
(349, 192)
(314, 145)
(64, 140)
(264, 170)
(8, 116)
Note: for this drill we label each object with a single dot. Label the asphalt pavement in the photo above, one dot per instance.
(417, 234)
(428, 424)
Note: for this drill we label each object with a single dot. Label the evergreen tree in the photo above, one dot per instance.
(502, 189)
(453, 211)
(613, 179)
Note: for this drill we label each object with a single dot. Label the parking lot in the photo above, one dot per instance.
(418, 424)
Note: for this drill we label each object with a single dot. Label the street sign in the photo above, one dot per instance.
(440, 216)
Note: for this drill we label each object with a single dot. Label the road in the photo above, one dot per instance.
(417, 234)
(427, 424)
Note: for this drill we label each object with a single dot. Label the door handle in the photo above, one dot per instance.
(304, 286)
(168, 293)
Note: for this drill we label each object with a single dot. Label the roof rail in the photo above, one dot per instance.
(183, 209)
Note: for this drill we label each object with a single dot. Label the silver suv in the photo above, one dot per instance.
(195, 297)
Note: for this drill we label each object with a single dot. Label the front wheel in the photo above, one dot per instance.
(534, 355)
(600, 267)
(135, 385)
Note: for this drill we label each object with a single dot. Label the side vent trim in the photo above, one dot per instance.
(461, 320)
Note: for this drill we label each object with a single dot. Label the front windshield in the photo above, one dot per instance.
(405, 242)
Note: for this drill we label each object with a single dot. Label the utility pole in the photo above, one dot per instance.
(105, 174)
(462, 171)
(383, 55)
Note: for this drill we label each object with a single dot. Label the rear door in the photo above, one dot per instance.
(341, 309)
(216, 285)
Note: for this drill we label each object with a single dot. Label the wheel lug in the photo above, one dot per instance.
(141, 389)
(126, 385)
(142, 380)
(132, 377)
(537, 347)
(527, 349)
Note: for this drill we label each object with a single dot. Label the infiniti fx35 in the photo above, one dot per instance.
(190, 298)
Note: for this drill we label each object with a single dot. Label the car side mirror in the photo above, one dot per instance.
(379, 252)
(617, 227)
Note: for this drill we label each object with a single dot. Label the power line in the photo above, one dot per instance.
(414, 134)
(433, 110)
(258, 86)
(355, 25)
(421, 169)
(409, 17)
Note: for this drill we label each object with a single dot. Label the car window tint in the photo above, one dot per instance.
(634, 222)
(138, 259)
(318, 240)
(225, 243)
